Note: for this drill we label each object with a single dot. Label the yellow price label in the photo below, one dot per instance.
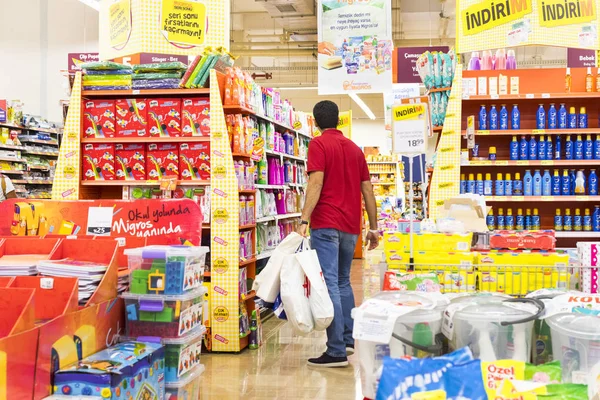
(582, 198)
(482, 132)
(547, 162)
(501, 162)
(518, 198)
(482, 162)
(538, 131)
(522, 162)
(547, 198)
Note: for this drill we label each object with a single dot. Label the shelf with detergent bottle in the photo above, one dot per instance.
(520, 132)
(578, 198)
(532, 163)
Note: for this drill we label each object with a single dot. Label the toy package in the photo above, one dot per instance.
(130, 161)
(523, 240)
(162, 161)
(129, 370)
(132, 118)
(196, 117)
(99, 119)
(98, 162)
(425, 282)
(164, 117)
(194, 161)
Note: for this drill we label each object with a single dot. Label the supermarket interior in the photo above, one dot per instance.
(300, 199)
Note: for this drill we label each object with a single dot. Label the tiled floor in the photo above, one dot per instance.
(278, 369)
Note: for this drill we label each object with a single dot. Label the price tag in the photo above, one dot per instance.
(501, 162)
(538, 131)
(529, 96)
(137, 91)
(582, 198)
(518, 198)
(547, 162)
(545, 95)
(494, 97)
(547, 198)
(46, 283)
(409, 128)
(168, 183)
(482, 132)
(522, 162)
(465, 97)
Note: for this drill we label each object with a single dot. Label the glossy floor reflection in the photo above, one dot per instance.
(278, 370)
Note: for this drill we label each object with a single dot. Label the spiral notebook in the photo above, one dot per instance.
(88, 273)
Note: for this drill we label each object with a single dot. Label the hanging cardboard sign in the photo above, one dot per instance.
(409, 130)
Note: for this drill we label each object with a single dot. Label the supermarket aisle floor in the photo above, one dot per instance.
(278, 370)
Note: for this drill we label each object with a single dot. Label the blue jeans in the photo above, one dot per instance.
(335, 250)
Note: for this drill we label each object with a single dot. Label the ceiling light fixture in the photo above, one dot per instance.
(362, 105)
(95, 4)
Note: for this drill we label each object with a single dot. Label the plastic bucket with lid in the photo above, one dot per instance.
(494, 327)
(415, 334)
(576, 343)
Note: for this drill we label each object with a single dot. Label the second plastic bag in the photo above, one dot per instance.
(294, 296)
(318, 295)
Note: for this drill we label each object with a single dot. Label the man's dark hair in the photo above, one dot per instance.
(326, 114)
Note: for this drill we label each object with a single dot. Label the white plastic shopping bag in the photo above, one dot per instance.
(318, 295)
(294, 295)
(267, 282)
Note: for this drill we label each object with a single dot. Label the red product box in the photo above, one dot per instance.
(98, 162)
(164, 117)
(195, 117)
(194, 161)
(162, 160)
(132, 118)
(3, 110)
(99, 119)
(130, 161)
(523, 240)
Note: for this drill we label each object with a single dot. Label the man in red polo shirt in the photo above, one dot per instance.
(338, 175)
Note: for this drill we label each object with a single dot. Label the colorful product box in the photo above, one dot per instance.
(162, 161)
(522, 282)
(132, 118)
(590, 266)
(194, 161)
(427, 241)
(130, 161)
(3, 110)
(523, 240)
(99, 119)
(195, 117)
(454, 281)
(129, 370)
(532, 261)
(98, 162)
(164, 117)
(420, 282)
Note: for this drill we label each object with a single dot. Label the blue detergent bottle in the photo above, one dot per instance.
(536, 223)
(479, 185)
(557, 148)
(593, 183)
(597, 148)
(558, 221)
(509, 220)
(552, 117)
(577, 220)
(572, 181)
(572, 118)
(514, 149)
(491, 221)
(556, 183)
(549, 148)
(532, 148)
(568, 148)
(537, 183)
(541, 148)
(517, 186)
(508, 191)
(503, 118)
(500, 221)
(596, 219)
(562, 117)
(488, 185)
(582, 121)
(588, 148)
(515, 118)
(528, 224)
(567, 220)
(579, 148)
(523, 148)
(587, 220)
(528, 184)
(565, 188)
(493, 118)
(483, 119)
(546, 183)
(499, 185)
(471, 184)
(520, 220)
(540, 118)
(463, 184)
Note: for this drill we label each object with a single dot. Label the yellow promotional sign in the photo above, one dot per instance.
(491, 13)
(345, 123)
(183, 22)
(492, 24)
(409, 111)
(409, 128)
(561, 12)
(119, 22)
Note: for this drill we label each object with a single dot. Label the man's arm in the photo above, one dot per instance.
(313, 193)
(371, 205)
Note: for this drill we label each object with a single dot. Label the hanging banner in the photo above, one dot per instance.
(405, 62)
(492, 24)
(577, 58)
(355, 46)
(409, 128)
(399, 91)
(345, 123)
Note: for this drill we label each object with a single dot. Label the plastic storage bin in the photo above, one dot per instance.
(170, 270)
(187, 388)
(165, 316)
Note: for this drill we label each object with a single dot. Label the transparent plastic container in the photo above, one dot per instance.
(170, 270)
(162, 316)
(187, 388)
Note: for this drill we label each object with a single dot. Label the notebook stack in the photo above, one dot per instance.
(20, 264)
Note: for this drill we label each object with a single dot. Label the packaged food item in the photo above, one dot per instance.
(162, 161)
(194, 161)
(98, 162)
(196, 117)
(130, 161)
(99, 119)
(164, 117)
(427, 282)
(132, 118)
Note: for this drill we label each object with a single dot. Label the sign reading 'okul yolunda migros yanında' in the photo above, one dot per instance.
(491, 24)
(409, 128)
(355, 46)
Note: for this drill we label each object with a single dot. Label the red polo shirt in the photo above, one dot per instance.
(344, 167)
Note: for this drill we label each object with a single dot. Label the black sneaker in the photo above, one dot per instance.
(349, 349)
(326, 361)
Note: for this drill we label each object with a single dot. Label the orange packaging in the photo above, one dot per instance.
(130, 161)
(194, 161)
(98, 161)
(99, 119)
(195, 117)
(162, 161)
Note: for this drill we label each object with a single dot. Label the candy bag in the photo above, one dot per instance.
(426, 282)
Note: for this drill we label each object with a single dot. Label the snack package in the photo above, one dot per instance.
(99, 119)
(427, 282)
(162, 161)
(132, 118)
(164, 117)
(195, 117)
(194, 161)
(130, 161)
(496, 373)
(98, 162)
(524, 390)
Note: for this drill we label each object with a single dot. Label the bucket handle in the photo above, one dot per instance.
(536, 302)
(433, 349)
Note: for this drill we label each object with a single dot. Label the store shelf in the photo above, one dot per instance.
(578, 234)
(247, 296)
(247, 191)
(382, 162)
(296, 185)
(284, 155)
(278, 217)
(536, 96)
(281, 187)
(264, 254)
(149, 92)
(36, 167)
(12, 147)
(39, 141)
(531, 163)
(9, 159)
(248, 261)
(11, 172)
(241, 155)
(437, 128)
(31, 182)
(236, 109)
(41, 153)
(521, 132)
(249, 226)
(43, 130)
(444, 89)
(541, 198)
(142, 183)
(148, 139)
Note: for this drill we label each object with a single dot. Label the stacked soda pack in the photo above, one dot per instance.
(164, 306)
